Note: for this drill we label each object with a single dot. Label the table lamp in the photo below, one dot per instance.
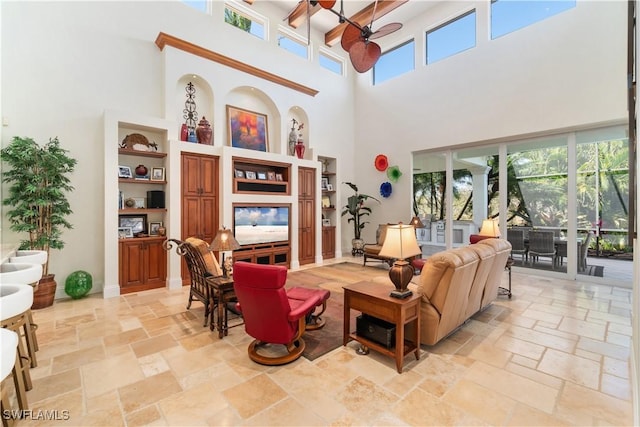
(490, 228)
(400, 243)
(415, 221)
(223, 242)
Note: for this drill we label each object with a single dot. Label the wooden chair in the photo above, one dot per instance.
(192, 251)
(542, 244)
(516, 238)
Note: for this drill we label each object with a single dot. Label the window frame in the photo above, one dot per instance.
(322, 51)
(447, 22)
(296, 38)
(396, 46)
(249, 14)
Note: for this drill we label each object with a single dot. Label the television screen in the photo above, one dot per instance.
(260, 224)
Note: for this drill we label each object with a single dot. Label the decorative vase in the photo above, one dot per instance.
(204, 131)
(141, 170)
(293, 138)
(46, 292)
(78, 284)
(300, 148)
(357, 247)
(192, 136)
(184, 132)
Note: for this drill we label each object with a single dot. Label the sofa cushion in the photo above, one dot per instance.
(502, 247)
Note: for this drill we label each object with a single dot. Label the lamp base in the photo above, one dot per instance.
(401, 294)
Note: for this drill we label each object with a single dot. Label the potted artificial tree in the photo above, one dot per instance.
(38, 181)
(356, 210)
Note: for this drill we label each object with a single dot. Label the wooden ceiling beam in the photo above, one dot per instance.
(299, 14)
(363, 17)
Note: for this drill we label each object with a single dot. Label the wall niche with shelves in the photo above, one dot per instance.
(329, 209)
(251, 176)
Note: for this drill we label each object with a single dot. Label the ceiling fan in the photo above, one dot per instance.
(356, 39)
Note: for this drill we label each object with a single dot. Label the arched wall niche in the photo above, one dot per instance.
(203, 98)
(302, 120)
(252, 99)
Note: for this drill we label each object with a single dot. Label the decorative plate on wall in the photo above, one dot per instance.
(394, 173)
(385, 189)
(381, 162)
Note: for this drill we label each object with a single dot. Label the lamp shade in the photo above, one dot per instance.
(400, 242)
(224, 241)
(490, 228)
(415, 221)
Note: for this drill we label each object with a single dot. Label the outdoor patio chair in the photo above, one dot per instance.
(541, 244)
(516, 238)
(584, 250)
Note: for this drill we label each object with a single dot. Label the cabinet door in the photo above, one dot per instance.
(190, 175)
(306, 179)
(156, 263)
(306, 235)
(328, 242)
(132, 268)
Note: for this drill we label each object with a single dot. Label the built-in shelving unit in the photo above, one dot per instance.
(260, 176)
(329, 212)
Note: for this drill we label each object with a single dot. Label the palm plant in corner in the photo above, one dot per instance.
(38, 181)
(356, 210)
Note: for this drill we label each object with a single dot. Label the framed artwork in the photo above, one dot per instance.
(278, 177)
(262, 175)
(250, 174)
(157, 174)
(329, 187)
(239, 173)
(153, 228)
(137, 223)
(326, 222)
(124, 172)
(247, 129)
(325, 182)
(139, 202)
(271, 176)
(124, 232)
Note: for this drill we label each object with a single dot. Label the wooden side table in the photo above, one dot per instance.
(373, 299)
(222, 290)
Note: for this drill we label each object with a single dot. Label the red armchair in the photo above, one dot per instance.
(269, 315)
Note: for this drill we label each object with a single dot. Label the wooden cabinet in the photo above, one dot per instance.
(199, 196)
(328, 242)
(329, 212)
(143, 264)
(306, 215)
(260, 176)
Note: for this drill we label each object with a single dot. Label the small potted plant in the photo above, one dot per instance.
(38, 181)
(356, 210)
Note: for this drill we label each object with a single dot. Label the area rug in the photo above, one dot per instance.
(333, 278)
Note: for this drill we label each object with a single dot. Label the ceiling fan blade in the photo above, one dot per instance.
(327, 4)
(364, 55)
(386, 29)
(350, 35)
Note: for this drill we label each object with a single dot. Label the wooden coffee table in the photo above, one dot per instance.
(373, 298)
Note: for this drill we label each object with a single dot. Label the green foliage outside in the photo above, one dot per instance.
(237, 20)
(537, 186)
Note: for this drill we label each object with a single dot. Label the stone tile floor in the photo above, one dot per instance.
(557, 353)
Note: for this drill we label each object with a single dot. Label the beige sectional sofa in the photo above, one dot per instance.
(457, 283)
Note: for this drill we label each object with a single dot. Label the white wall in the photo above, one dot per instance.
(568, 71)
(65, 63)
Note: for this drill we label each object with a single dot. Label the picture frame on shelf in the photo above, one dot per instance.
(271, 176)
(326, 202)
(124, 172)
(279, 177)
(326, 222)
(247, 129)
(329, 187)
(262, 175)
(250, 174)
(239, 173)
(137, 223)
(325, 182)
(154, 226)
(140, 202)
(125, 232)
(157, 174)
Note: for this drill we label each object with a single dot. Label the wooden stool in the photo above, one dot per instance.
(302, 294)
(9, 341)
